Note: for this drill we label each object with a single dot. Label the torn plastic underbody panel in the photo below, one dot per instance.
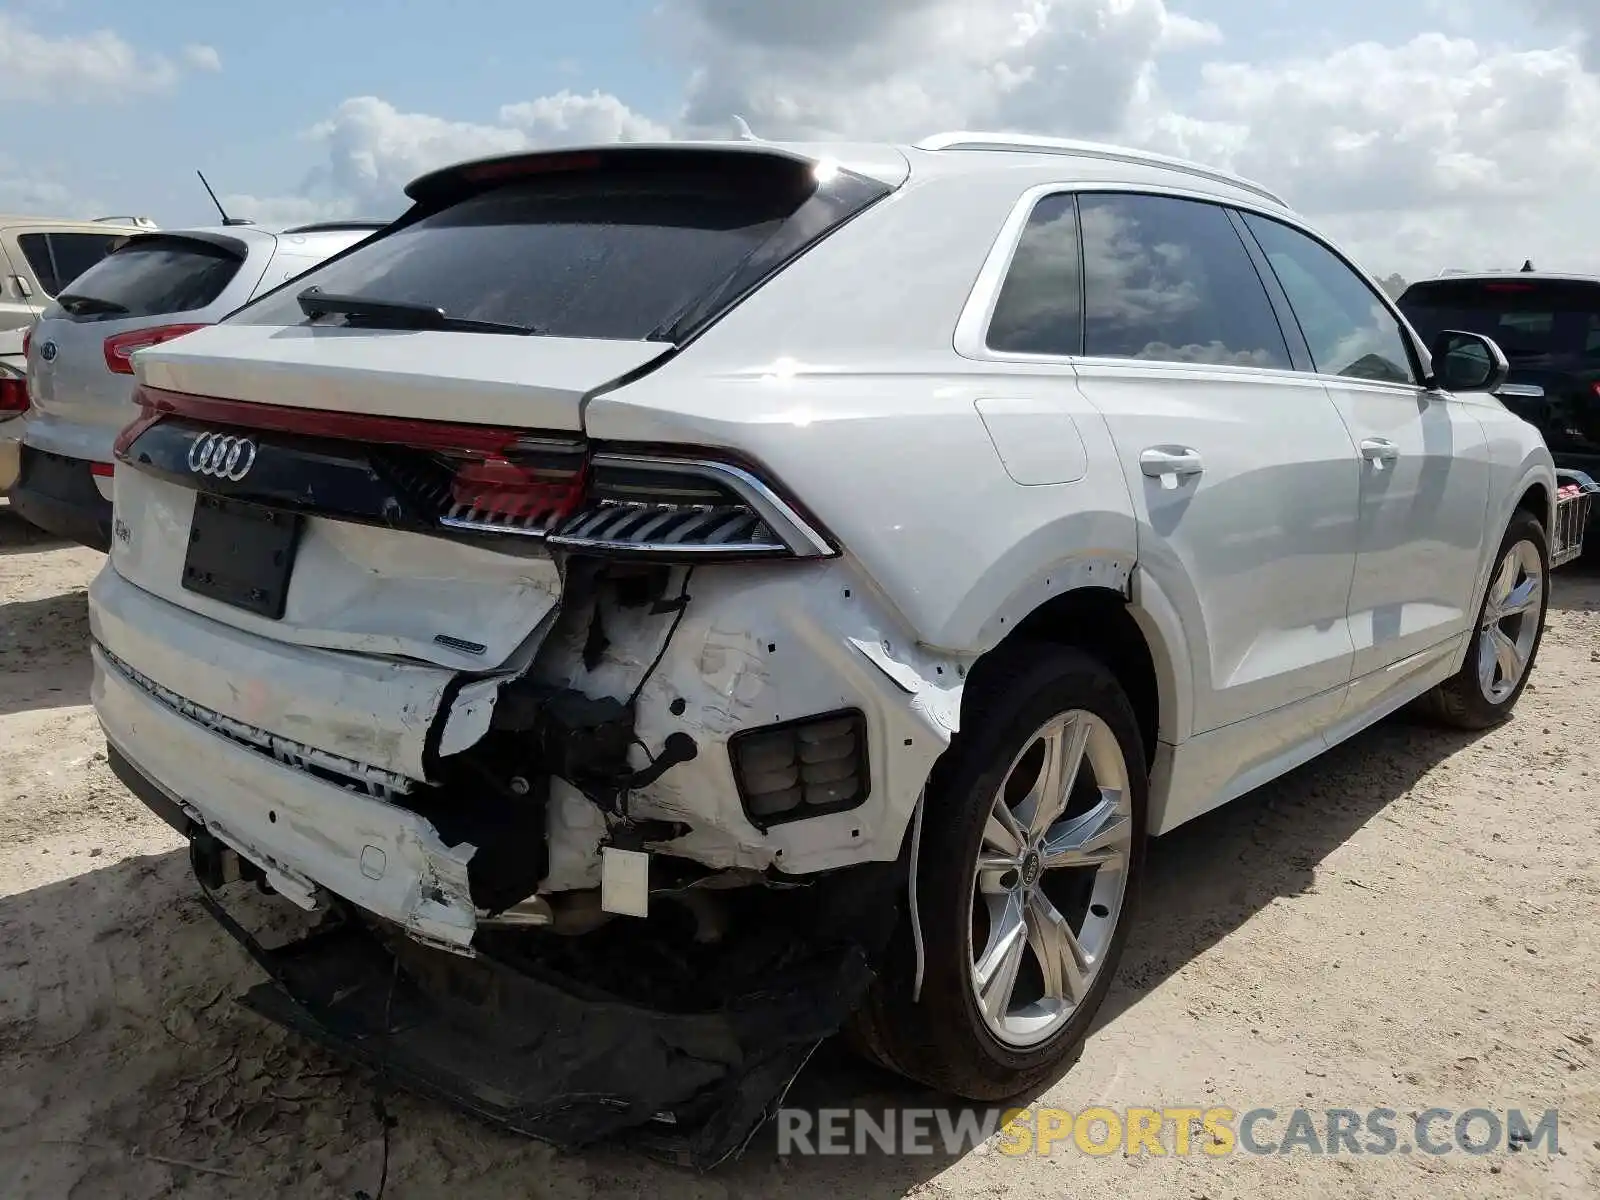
(634, 1032)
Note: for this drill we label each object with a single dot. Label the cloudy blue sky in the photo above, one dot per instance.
(1422, 133)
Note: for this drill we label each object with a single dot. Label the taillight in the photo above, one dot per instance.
(490, 480)
(1595, 387)
(119, 350)
(526, 487)
(27, 341)
(13, 393)
(687, 508)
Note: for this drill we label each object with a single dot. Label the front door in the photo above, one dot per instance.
(1425, 475)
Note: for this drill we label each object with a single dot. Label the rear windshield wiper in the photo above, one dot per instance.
(85, 306)
(398, 314)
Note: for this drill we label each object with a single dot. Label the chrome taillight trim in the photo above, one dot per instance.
(801, 538)
(792, 536)
(470, 526)
(680, 549)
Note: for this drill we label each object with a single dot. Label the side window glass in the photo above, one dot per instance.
(1039, 309)
(35, 248)
(75, 253)
(1346, 326)
(1169, 279)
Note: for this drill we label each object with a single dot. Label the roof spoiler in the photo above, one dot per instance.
(478, 174)
(352, 226)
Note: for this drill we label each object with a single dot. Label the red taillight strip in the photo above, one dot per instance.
(103, 470)
(315, 422)
(119, 349)
(13, 393)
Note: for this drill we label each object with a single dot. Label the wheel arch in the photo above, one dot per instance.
(1102, 622)
(1537, 500)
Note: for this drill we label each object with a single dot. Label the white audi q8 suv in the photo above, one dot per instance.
(708, 591)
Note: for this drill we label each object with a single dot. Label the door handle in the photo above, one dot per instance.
(1169, 464)
(1380, 452)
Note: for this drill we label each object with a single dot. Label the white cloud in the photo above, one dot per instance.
(202, 57)
(91, 67)
(22, 192)
(1429, 152)
(906, 68)
(372, 149)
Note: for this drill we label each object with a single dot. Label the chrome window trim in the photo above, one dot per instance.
(972, 326)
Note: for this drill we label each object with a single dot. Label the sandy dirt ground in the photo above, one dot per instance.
(1410, 923)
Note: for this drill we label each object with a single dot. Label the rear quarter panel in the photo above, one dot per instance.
(839, 377)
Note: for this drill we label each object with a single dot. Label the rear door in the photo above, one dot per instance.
(1243, 477)
(19, 299)
(58, 256)
(1425, 471)
(1549, 330)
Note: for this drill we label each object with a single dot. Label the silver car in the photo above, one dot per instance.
(38, 257)
(153, 288)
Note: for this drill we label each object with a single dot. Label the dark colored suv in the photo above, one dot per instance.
(1549, 328)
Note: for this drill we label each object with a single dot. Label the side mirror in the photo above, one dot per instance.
(1467, 362)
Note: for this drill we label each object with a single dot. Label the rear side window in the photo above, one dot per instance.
(624, 253)
(57, 259)
(1535, 322)
(1040, 306)
(1347, 328)
(152, 276)
(1169, 279)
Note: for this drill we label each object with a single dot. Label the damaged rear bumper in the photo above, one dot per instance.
(301, 832)
(637, 1034)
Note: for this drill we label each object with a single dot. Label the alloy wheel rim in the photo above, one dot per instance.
(1058, 836)
(1510, 621)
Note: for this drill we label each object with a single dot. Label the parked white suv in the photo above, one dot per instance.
(798, 555)
(152, 288)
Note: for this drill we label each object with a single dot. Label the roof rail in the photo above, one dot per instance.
(336, 226)
(1030, 144)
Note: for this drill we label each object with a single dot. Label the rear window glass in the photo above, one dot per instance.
(612, 254)
(152, 277)
(1531, 321)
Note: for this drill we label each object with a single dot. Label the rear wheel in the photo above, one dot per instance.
(1032, 847)
(1507, 635)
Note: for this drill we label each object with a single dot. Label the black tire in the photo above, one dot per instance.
(942, 1040)
(1461, 702)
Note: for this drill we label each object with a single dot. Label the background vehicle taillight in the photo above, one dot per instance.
(120, 348)
(13, 392)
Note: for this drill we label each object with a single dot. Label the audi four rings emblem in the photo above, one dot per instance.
(222, 456)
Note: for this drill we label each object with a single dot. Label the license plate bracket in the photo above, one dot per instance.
(241, 554)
